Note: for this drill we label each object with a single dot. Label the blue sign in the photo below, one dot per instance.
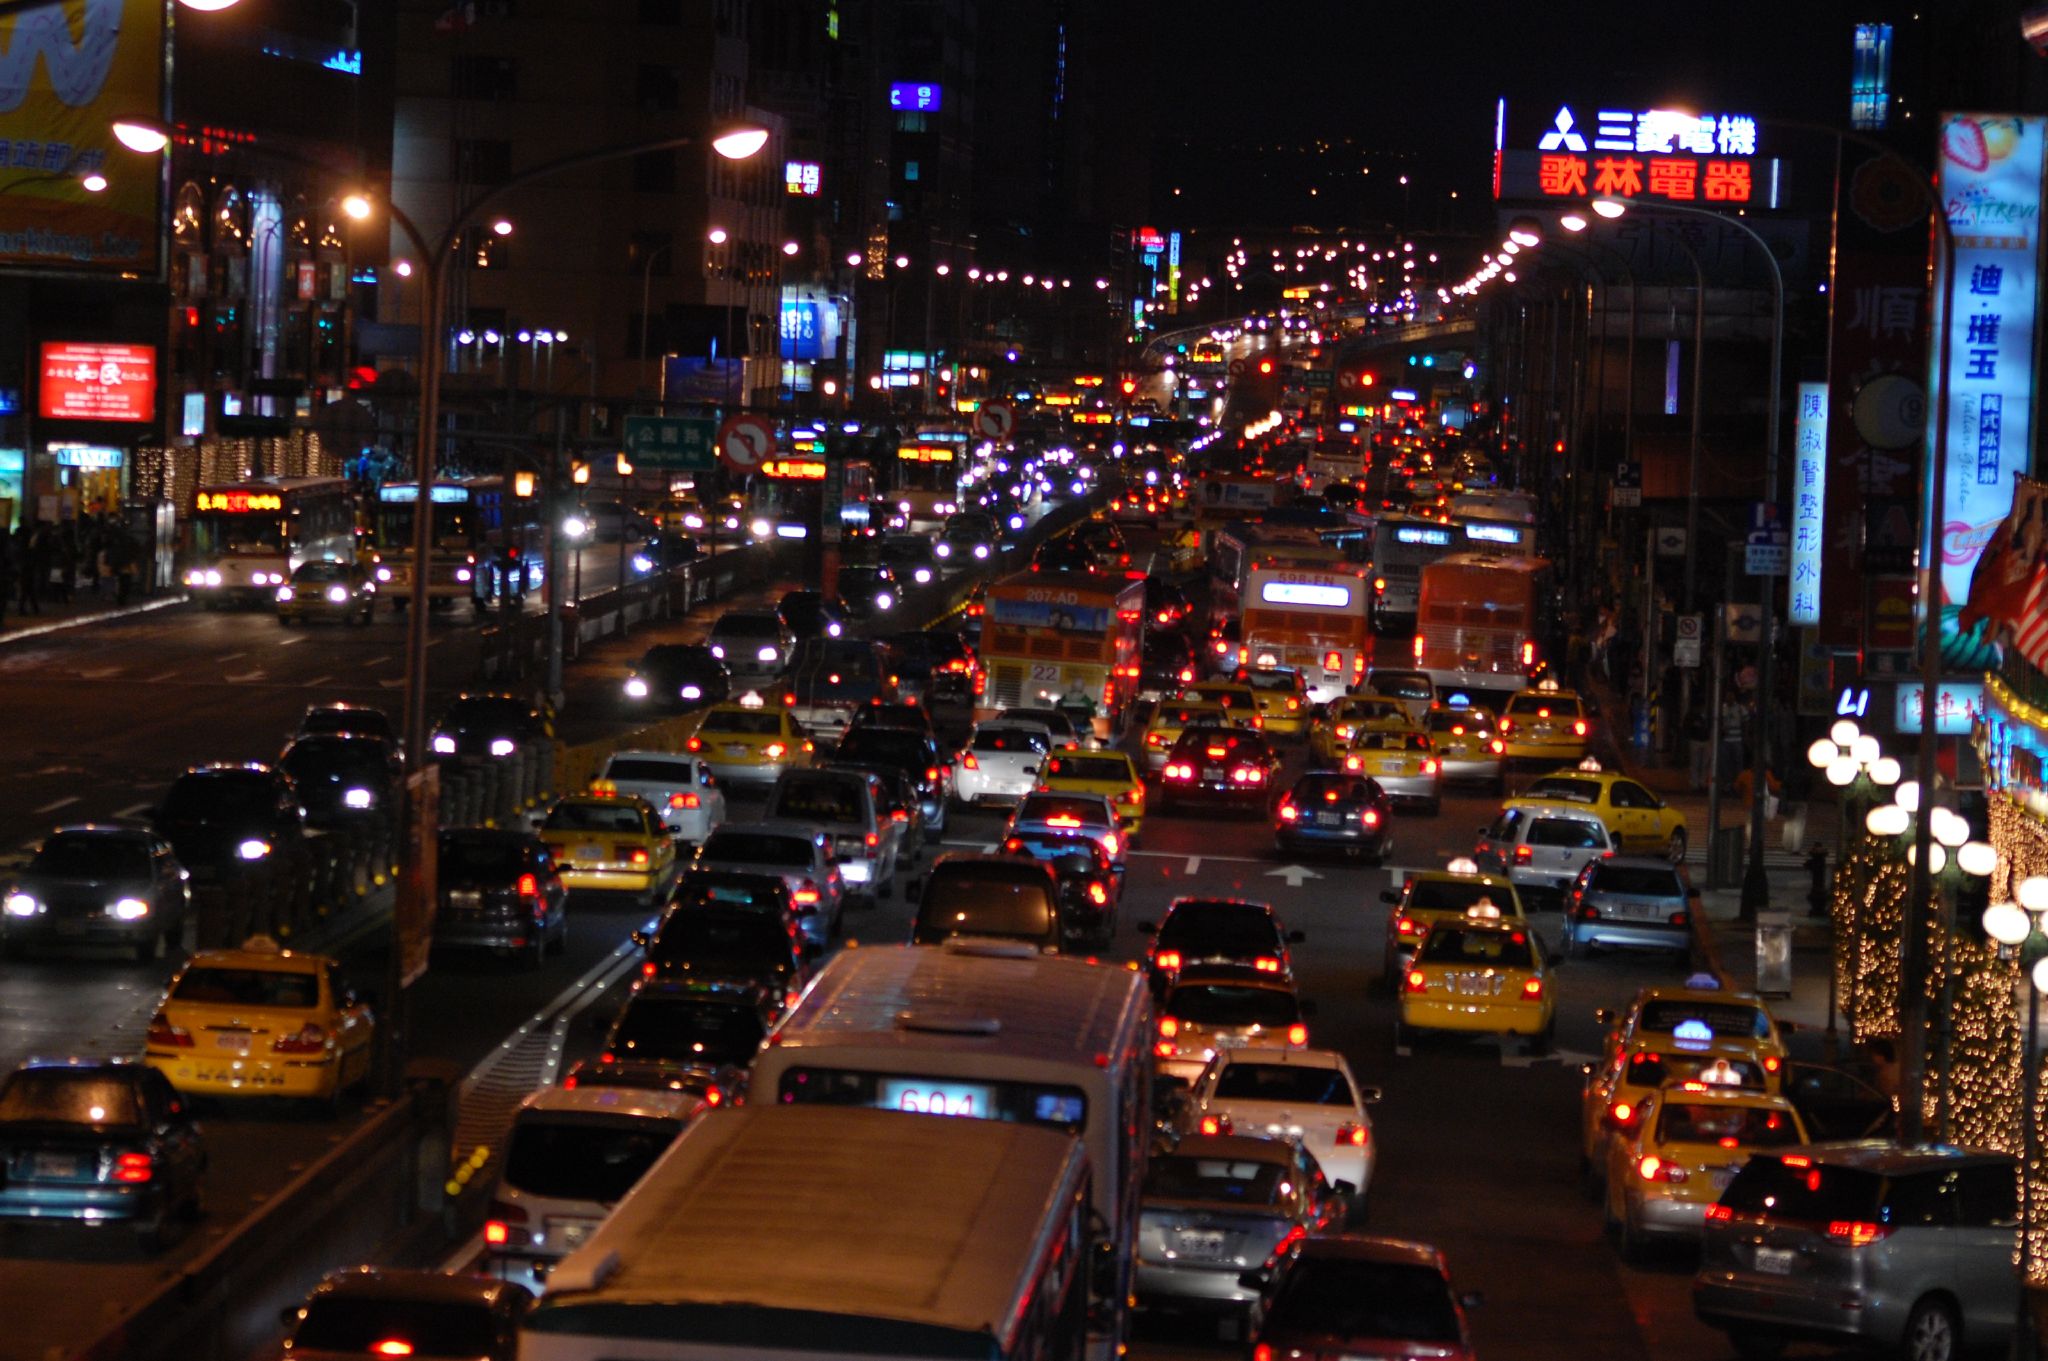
(1809, 493)
(801, 333)
(916, 96)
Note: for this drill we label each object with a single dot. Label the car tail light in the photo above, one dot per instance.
(1353, 1135)
(499, 1230)
(931, 774)
(1167, 960)
(648, 969)
(1622, 1114)
(1429, 765)
(637, 857)
(1217, 1124)
(1591, 913)
(307, 1039)
(1013, 846)
(967, 760)
(1289, 813)
(1579, 728)
(1266, 964)
(1532, 989)
(1177, 771)
(1415, 982)
(1370, 817)
(1523, 855)
(1719, 1214)
(1333, 661)
(1772, 1064)
(1654, 1168)
(1293, 704)
(900, 815)
(1406, 926)
(134, 1168)
(1297, 1035)
(391, 1346)
(1165, 1049)
(1528, 653)
(1097, 894)
(873, 840)
(1169, 1026)
(1262, 1352)
(1353, 763)
(1187, 675)
(1497, 746)
(528, 886)
(167, 1036)
(1216, 753)
(774, 750)
(1857, 1232)
(805, 896)
(1379, 585)
(1679, 919)
(683, 800)
(695, 744)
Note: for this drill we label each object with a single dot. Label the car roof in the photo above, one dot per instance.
(116, 831)
(772, 827)
(1892, 1159)
(649, 754)
(1679, 993)
(1359, 1247)
(1447, 877)
(629, 1103)
(1286, 1058)
(1552, 808)
(391, 1283)
(1637, 862)
(1210, 902)
(265, 960)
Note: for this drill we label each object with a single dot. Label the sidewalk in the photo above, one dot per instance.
(84, 608)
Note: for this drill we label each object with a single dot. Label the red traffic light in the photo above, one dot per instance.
(1365, 380)
(1265, 366)
(362, 376)
(1130, 386)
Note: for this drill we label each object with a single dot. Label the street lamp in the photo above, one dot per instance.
(2021, 931)
(1852, 762)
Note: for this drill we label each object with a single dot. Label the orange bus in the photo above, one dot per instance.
(1045, 635)
(1478, 619)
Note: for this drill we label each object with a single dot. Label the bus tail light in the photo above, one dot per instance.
(1358, 663)
(528, 886)
(1418, 647)
(1528, 652)
(1333, 661)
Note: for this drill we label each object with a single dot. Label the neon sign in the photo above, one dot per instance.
(1585, 151)
(239, 502)
(924, 453)
(805, 468)
(801, 178)
(916, 96)
(1494, 533)
(1431, 536)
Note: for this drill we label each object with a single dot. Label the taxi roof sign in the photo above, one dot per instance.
(1703, 982)
(1591, 765)
(1464, 864)
(1483, 910)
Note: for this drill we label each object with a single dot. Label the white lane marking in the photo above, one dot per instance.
(291, 638)
(392, 684)
(15, 635)
(54, 805)
(132, 810)
(232, 656)
(1194, 863)
(1293, 874)
(317, 680)
(256, 675)
(435, 642)
(551, 1067)
(99, 673)
(159, 676)
(374, 660)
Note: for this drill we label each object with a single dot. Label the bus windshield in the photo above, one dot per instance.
(456, 526)
(222, 533)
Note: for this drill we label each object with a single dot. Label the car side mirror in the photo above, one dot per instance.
(1370, 1096)
(1296, 937)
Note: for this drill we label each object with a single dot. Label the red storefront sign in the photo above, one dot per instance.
(82, 382)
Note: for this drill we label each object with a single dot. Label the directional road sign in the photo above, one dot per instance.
(745, 441)
(671, 443)
(994, 420)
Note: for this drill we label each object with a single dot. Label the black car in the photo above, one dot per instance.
(98, 885)
(718, 1084)
(994, 897)
(349, 718)
(1091, 885)
(489, 727)
(692, 1023)
(916, 754)
(1204, 931)
(500, 890)
(869, 591)
(343, 779)
(664, 552)
(384, 1311)
(1064, 554)
(678, 676)
(1328, 810)
(225, 818)
(1166, 662)
(912, 558)
(1218, 765)
(905, 716)
(733, 891)
(812, 614)
(341, 591)
(103, 1142)
(967, 538)
(728, 945)
(935, 665)
(1166, 605)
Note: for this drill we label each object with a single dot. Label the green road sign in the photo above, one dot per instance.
(674, 443)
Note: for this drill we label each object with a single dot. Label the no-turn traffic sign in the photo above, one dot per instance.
(745, 440)
(994, 420)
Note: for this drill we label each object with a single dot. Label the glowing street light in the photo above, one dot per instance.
(740, 143)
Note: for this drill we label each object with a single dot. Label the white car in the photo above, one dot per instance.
(1000, 762)
(1307, 1095)
(680, 788)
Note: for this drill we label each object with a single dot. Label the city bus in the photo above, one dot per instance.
(785, 496)
(1235, 552)
(486, 539)
(1335, 461)
(1048, 636)
(245, 539)
(1401, 545)
(1314, 617)
(815, 1234)
(1479, 619)
(992, 1032)
(929, 469)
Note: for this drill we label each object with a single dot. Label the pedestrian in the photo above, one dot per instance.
(89, 549)
(1819, 894)
(7, 573)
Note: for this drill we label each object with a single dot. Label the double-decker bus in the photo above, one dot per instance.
(245, 539)
(981, 1033)
(1401, 545)
(1050, 636)
(786, 494)
(1479, 620)
(929, 470)
(485, 541)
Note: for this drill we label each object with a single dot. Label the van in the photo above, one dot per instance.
(847, 806)
(989, 896)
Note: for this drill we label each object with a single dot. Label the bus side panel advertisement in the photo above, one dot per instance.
(1063, 616)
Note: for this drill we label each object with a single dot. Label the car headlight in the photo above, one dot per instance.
(253, 849)
(693, 522)
(212, 577)
(766, 654)
(285, 593)
(718, 651)
(944, 550)
(383, 574)
(130, 909)
(444, 744)
(462, 574)
(761, 529)
(691, 692)
(1016, 522)
(642, 563)
(337, 594)
(502, 746)
(833, 630)
(636, 688)
(22, 905)
(981, 550)
(923, 575)
(357, 798)
(884, 600)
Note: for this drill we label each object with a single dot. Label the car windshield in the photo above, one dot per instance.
(1647, 1068)
(674, 656)
(1479, 949)
(63, 1097)
(1571, 833)
(1727, 1125)
(705, 938)
(688, 1030)
(1454, 895)
(750, 626)
(649, 770)
(816, 800)
(489, 711)
(336, 762)
(1231, 929)
(1010, 740)
(1055, 810)
(1818, 1194)
(1391, 741)
(565, 1157)
(1295, 1084)
(1233, 1181)
(221, 985)
(743, 722)
(756, 892)
(1649, 881)
(1229, 1004)
(1350, 1298)
(626, 819)
(480, 859)
(1333, 789)
(758, 848)
(1186, 715)
(1286, 682)
(1565, 789)
(224, 797)
(366, 1326)
(1665, 1014)
(325, 720)
(984, 905)
(92, 855)
(321, 571)
(1400, 686)
(1104, 769)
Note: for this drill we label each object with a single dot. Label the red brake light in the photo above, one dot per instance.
(1356, 1136)
(529, 886)
(805, 896)
(931, 774)
(695, 744)
(1098, 895)
(1579, 727)
(1857, 1232)
(1216, 1124)
(392, 1346)
(1371, 817)
(134, 1168)
(1656, 1169)
(307, 1039)
(1167, 959)
(774, 750)
(167, 1036)
(1405, 926)
(1289, 813)
(1771, 1065)
(1266, 964)
(1429, 766)
(1333, 661)
(1621, 1113)
(683, 801)
(1415, 982)
(1262, 1352)
(638, 856)
(1528, 653)
(967, 759)
(1532, 988)
(1796, 1160)
(1297, 1035)
(1719, 1214)
(1418, 647)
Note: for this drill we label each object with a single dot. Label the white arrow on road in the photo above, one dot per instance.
(1293, 874)
(1569, 1058)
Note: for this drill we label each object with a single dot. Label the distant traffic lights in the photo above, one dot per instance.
(1130, 386)
(1365, 380)
(1265, 366)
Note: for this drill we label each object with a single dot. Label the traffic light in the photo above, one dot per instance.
(1130, 387)
(1265, 366)
(1365, 380)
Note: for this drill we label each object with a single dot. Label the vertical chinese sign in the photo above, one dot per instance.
(67, 71)
(1809, 501)
(1990, 186)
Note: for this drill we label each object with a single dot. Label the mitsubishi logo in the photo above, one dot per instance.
(1563, 138)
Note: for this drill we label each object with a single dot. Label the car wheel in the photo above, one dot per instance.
(535, 955)
(1674, 849)
(1933, 1332)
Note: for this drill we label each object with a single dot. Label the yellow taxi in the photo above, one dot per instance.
(1281, 695)
(1697, 1031)
(610, 843)
(1642, 823)
(1667, 1170)
(1468, 743)
(1346, 718)
(1544, 724)
(1242, 701)
(1483, 973)
(1434, 897)
(1111, 774)
(1169, 718)
(261, 1020)
(749, 741)
(1402, 763)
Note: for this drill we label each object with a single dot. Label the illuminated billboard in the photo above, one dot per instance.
(916, 96)
(1581, 150)
(82, 382)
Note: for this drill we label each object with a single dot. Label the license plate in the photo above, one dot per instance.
(231, 1039)
(1776, 1261)
(1388, 768)
(737, 749)
(1329, 819)
(1641, 912)
(55, 1165)
(570, 1233)
(1212, 772)
(589, 853)
(1204, 1243)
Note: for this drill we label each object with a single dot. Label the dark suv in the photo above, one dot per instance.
(223, 818)
(343, 779)
(692, 1023)
(988, 896)
(488, 727)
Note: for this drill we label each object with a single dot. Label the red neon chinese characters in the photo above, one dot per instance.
(1562, 175)
(1620, 178)
(1675, 179)
(1728, 181)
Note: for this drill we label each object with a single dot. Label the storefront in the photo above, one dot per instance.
(74, 479)
(13, 476)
